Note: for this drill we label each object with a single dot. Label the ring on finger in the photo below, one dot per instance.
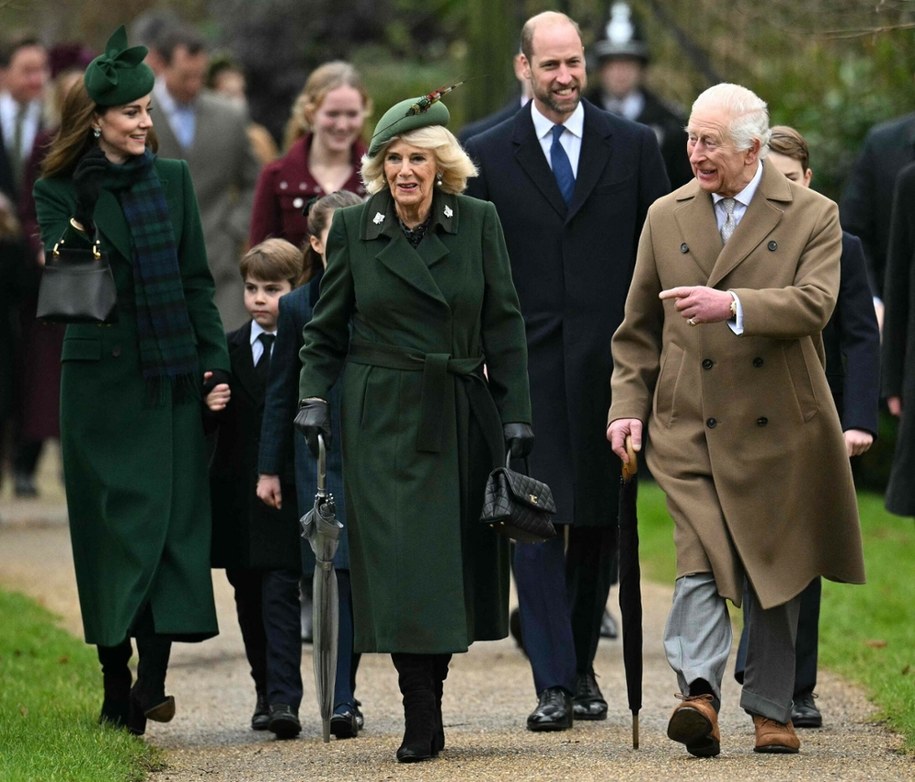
(691, 321)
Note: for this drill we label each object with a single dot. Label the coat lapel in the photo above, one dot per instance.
(596, 148)
(699, 237)
(395, 253)
(532, 161)
(760, 219)
(243, 361)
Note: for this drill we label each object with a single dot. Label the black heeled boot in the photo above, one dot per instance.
(416, 680)
(116, 680)
(147, 697)
(439, 674)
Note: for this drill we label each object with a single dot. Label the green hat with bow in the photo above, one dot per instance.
(409, 114)
(119, 75)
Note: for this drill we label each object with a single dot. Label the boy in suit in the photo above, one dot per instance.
(259, 546)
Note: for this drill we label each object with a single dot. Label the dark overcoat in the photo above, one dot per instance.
(246, 532)
(898, 348)
(422, 426)
(278, 434)
(744, 437)
(135, 472)
(572, 268)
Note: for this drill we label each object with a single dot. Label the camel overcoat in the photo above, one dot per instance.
(135, 473)
(422, 426)
(743, 435)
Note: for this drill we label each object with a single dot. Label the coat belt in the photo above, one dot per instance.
(436, 367)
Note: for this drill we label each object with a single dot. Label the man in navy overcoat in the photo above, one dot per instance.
(571, 263)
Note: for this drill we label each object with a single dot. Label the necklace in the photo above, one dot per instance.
(415, 235)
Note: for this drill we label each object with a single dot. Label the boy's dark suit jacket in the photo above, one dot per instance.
(247, 533)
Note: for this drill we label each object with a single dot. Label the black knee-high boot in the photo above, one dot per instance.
(147, 697)
(416, 679)
(116, 680)
(439, 674)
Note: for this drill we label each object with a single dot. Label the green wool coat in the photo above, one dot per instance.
(410, 330)
(136, 474)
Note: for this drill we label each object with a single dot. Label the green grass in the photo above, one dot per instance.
(50, 694)
(867, 633)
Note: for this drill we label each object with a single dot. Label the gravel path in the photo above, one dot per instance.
(487, 697)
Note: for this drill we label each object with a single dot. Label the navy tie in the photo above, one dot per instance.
(562, 168)
(262, 366)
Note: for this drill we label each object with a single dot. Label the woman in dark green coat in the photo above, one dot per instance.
(416, 299)
(134, 454)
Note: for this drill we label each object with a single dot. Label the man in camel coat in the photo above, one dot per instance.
(720, 356)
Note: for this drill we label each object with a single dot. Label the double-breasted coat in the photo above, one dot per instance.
(743, 435)
(422, 426)
(246, 532)
(572, 266)
(898, 348)
(135, 472)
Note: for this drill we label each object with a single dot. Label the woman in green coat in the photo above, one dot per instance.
(416, 299)
(134, 454)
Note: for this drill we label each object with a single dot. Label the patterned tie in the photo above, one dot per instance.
(729, 222)
(263, 363)
(562, 168)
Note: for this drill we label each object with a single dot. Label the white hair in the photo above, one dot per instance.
(748, 113)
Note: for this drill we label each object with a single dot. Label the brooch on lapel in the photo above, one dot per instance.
(378, 219)
(449, 212)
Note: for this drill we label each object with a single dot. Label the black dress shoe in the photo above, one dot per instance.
(284, 721)
(343, 723)
(553, 712)
(804, 713)
(588, 702)
(608, 626)
(260, 720)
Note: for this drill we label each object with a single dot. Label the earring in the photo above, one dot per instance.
(96, 132)
(438, 179)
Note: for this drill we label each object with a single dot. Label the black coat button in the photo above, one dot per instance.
(762, 421)
(773, 246)
(707, 363)
(711, 423)
(684, 248)
(116, 351)
(758, 362)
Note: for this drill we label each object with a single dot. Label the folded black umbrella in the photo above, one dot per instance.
(630, 588)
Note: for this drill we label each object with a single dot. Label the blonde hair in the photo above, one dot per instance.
(322, 80)
(273, 260)
(452, 162)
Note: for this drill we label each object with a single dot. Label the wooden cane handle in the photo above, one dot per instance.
(631, 467)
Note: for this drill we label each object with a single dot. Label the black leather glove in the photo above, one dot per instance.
(519, 439)
(313, 419)
(87, 182)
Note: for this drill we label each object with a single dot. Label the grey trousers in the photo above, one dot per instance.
(697, 641)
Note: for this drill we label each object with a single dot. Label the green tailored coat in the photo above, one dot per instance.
(136, 472)
(410, 329)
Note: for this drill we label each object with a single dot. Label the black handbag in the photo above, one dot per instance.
(77, 286)
(518, 506)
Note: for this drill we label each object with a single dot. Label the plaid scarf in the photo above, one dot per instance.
(165, 335)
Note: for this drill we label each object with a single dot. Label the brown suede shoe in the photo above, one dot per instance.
(775, 737)
(695, 724)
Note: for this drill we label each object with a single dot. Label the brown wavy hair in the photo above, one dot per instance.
(74, 136)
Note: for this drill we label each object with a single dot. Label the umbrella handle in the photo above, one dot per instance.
(322, 464)
(631, 467)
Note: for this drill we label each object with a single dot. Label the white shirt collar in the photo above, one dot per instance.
(575, 124)
(257, 330)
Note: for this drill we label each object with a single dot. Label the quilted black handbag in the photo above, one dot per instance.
(518, 506)
(77, 286)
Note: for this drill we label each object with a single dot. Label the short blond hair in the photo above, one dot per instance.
(452, 162)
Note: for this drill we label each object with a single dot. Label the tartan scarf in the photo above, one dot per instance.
(168, 355)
